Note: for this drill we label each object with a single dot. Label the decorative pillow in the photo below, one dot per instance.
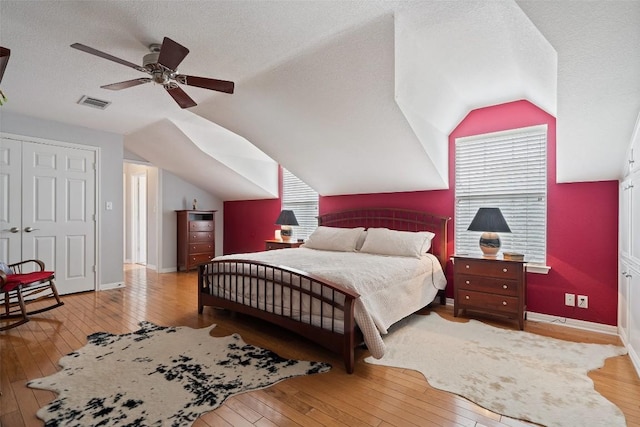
(5, 268)
(383, 241)
(334, 239)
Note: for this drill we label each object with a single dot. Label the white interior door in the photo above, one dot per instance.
(10, 200)
(58, 212)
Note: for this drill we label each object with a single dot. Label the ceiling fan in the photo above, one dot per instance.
(161, 64)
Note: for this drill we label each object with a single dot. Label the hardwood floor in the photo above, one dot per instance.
(373, 396)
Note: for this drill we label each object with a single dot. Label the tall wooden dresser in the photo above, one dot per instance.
(196, 238)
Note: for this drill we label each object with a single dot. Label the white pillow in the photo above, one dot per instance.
(383, 241)
(334, 239)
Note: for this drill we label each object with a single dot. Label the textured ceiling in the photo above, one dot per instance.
(351, 96)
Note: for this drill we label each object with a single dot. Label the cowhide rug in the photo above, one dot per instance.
(158, 376)
(513, 373)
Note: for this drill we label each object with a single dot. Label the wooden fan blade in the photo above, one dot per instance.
(206, 83)
(4, 59)
(171, 54)
(104, 55)
(180, 96)
(128, 83)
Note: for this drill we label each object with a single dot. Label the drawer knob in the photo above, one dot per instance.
(504, 270)
(467, 266)
(504, 303)
(467, 282)
(504, 286)
(466, 297)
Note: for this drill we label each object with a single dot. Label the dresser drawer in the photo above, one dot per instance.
(487, 284)
(503, 269)
(200, 225)
(200, 236)
(198, 248)
(490, 302)
(200, 258)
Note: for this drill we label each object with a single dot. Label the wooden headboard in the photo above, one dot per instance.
(394, 219)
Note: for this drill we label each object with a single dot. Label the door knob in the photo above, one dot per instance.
(14, 230)
(30, 229)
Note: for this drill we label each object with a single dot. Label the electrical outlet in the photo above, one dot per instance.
(583, 301)
(570, 300)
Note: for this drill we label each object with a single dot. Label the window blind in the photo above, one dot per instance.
(506, 170)
(303, 201)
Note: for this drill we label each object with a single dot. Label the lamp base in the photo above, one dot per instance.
(286, 233)
(489, 244)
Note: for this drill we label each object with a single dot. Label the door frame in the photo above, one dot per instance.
(138, 221)
(96, 170)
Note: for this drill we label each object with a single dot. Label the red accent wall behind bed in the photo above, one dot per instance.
(582, 225)
(582, 222)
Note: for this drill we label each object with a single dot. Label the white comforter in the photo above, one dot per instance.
(390, 287)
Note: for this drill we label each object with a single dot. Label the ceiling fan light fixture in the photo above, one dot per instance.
(160, 77)
(150, 60)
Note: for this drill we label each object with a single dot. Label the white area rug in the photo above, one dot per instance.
(158, 376)
(513, 373)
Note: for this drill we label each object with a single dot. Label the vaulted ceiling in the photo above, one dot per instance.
(352, 97)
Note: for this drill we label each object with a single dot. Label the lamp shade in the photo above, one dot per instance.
(489, 219)
(286, 217)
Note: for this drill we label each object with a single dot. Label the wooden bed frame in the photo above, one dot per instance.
(329, 298)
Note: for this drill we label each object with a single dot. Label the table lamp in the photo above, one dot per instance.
(285, 220)
(490, 221)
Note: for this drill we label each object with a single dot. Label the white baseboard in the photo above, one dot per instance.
(633, 355)
(635, 358)
(573, 323)
(565, 321)
(107, 286)
(152, 267)
(168, 270)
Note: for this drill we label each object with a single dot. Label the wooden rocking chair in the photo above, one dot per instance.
(22, 289)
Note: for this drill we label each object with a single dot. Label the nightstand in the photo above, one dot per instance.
(493, 286)
(279, 244)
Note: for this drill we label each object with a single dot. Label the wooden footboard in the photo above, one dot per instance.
(310, 306)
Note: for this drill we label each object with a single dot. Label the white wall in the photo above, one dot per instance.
(109, 182)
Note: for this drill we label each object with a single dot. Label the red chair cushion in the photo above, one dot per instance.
(14, 280)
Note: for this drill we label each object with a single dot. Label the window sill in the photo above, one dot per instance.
(538, 268)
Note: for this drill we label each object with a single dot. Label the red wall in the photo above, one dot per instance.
(582, 222)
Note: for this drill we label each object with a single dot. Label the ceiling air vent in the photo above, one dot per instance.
(94, 102)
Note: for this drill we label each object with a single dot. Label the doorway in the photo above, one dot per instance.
(140, 215)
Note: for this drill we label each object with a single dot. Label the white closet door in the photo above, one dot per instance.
(10, 200)
(58, 212)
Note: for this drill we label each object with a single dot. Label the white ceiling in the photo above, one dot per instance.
(351, 96)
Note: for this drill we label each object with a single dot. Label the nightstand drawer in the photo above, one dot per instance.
(488, 268)
(487, 284)
(278, 244)
(483, 301)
